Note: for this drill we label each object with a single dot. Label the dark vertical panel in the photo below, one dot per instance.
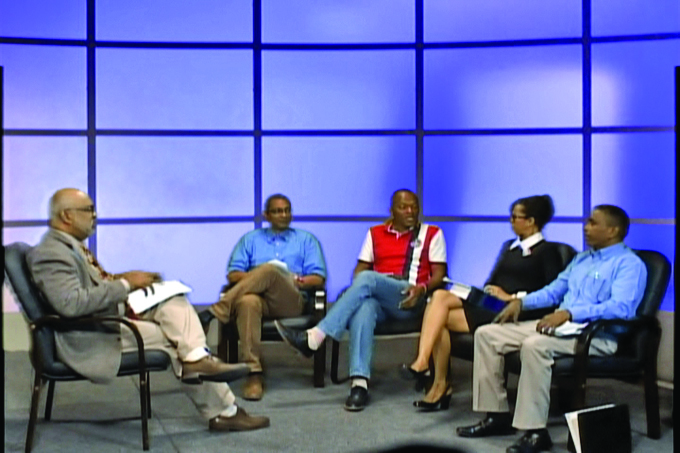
(91, 120)
(2, 131)
(587, 111)
(675, 261)
(419, 101)
(257, 110)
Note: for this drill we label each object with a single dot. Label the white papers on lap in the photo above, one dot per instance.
(460, 290)
(278, 263)
(569, 329)
(140, 301)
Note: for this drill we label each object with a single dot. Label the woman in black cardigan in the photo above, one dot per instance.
(525, 264)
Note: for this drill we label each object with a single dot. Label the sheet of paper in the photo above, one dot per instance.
(460, 290)
(569, 329)
(143, 299)
(278, 263)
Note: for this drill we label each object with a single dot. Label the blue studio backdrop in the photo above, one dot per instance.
(180, 118)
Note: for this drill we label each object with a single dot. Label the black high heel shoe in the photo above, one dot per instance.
(409, 374)
(441, 404)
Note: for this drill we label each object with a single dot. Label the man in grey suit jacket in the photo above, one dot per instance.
(76, 285)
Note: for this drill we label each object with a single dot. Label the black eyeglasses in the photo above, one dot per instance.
(89, 209)
(279, 211)
(514, 217)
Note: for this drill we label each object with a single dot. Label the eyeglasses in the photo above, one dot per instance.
(89, 209)
(279, 211)
(514, 217)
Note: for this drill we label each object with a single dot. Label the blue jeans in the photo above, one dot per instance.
(372, 298)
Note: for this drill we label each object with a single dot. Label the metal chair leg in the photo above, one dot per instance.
(148, 394)
(33, 416)
(320, 366)
(652, 406)
(335, 358)
(144, 396)
(233, 344)
(50, 399)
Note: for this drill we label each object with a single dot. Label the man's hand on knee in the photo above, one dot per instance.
(510, 312)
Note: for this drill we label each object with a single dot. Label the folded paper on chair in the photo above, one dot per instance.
(600, 429)
(142, 299)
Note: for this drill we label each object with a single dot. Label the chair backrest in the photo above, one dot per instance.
(566, 251)
(30, 299)
(658, 275)
(635, 344)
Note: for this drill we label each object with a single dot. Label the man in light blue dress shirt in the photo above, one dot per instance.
(266, 271)
(605, 282)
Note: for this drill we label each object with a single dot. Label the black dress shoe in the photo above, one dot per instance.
(532, 442)
(496, 424)
(357, 399)
(295, 338)
(205, 317)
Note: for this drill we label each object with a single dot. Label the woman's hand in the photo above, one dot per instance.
(497, 292)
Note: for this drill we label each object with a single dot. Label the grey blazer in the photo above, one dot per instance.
(74, 288)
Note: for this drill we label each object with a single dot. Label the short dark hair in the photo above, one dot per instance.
(398, 191)
(616, 217)
(276, 196)
(540, 207)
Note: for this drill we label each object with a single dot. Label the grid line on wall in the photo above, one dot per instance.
(257, 112)
(91, 114)
(587, 154)
(419, 46)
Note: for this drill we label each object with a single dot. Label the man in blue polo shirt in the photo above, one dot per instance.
(605, 282)
(266, 271)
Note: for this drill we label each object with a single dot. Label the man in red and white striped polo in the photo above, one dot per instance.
(400, 262)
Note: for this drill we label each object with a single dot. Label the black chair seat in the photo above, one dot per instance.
(399, 326)
(156, 360)
(464, 345)
(269, 332)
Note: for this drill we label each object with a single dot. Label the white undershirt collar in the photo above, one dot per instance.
(527, 243)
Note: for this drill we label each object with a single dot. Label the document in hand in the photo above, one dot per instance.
(569, 329)
(600, 429)
(143, 299)
(460, 290)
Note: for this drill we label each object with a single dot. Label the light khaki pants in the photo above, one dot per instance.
(537, 352)
(173, 326)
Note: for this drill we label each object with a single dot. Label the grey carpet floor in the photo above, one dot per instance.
(102, 418)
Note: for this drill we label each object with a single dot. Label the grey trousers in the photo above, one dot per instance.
(173, 326)
(537, 352)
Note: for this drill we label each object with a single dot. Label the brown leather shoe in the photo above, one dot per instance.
(253, 388)
(211, 368)
(239, 422)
